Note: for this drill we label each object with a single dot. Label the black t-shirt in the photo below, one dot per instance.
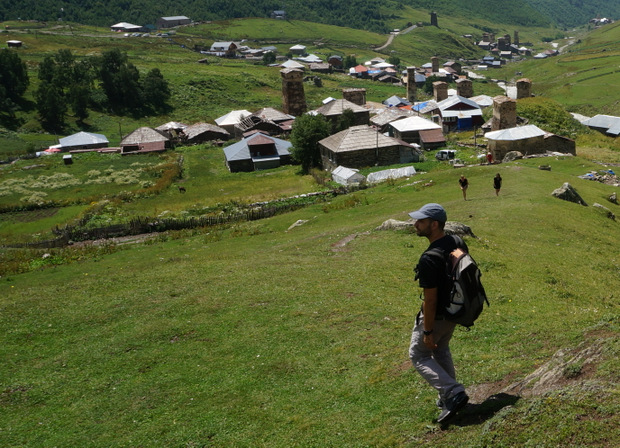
(431, 271)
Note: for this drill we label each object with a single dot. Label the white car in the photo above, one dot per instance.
(445, 154)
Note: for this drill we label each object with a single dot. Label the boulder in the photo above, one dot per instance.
(613, 198)
(451, 228)
(512, 155)
(568, 193)
(605, 210)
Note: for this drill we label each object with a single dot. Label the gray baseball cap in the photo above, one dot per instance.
(433, 211)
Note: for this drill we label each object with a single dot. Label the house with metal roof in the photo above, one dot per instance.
(169, 22)
(606, 124)
(458, 113)
(411, 130)
(363, 146)
(83, 140)
(257, 152)
(396, 101)
(126, 27)
(232, 118)
(223, 49)
(527, 140)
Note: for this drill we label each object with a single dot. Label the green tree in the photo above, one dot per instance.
(349, 61)
(306, 132)
(51, 105)
(120, 80)
(13, 80)
(346, 120)
(156, 91)
(269, 58)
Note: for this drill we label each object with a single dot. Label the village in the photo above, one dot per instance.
(400, 130)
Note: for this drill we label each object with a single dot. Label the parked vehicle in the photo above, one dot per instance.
(445, 154)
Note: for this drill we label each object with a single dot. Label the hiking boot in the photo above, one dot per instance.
(453, 405)
(439, 403)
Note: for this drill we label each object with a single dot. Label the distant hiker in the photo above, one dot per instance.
(489, 158)
(464, 183)
(497, 183)
(182, 190)
(429, 350)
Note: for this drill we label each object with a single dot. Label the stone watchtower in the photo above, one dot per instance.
(435, 64)
(516, 38)
(464, 87)
(504, 113)
(434, 19)
(293, 95)
(356, 96)
(411, 87)
(440, 90)
(524, 88)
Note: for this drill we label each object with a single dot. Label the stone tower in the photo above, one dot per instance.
(440, 90)
(516, 38)
(293, 95)
(435, 64)
(464, 87)
(411, 87)
(524, 88)
(504, 113)
(434, 19)
(356, 96)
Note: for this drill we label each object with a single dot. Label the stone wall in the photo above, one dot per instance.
(356, 96)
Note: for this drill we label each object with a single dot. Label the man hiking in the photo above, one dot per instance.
(429, 350)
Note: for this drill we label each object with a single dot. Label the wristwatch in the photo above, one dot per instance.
(426, 333)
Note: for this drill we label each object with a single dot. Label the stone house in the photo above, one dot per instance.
(362, 146)
(527, 140)
(267, 120)
(334, 109)
(257, 152)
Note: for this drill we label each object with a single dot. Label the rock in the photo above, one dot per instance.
(605, 210)
(568, 193)
(544, 167)
(451, 228)
(613, 198)
(299, 222)
(512, 155)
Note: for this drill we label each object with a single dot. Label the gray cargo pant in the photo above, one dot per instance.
(435, 366)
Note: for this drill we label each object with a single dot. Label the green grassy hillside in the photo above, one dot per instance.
(263, 335)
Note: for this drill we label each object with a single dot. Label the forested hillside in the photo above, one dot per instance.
(361, 14)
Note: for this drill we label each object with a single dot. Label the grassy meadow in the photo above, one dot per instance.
(259, 334)
(265, 334)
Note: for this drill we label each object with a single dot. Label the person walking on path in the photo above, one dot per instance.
(429, 350)
(464, 183)
(489, 158)
(497, 183)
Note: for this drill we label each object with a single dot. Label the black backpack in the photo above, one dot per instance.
(466, 295)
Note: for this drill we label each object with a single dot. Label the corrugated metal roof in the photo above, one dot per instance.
(609, 122)
(414, 124)
(357, 138)
(432, 136)
(83, 138)
(518, 133)
(232, 118)
(240, 150)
